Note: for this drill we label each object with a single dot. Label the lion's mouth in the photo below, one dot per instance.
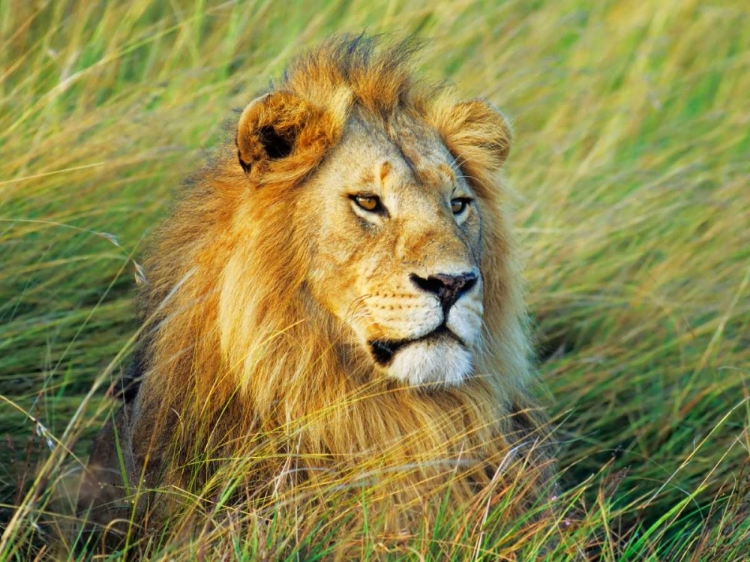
(384, 350)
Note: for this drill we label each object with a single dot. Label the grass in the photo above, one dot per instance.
(630, 170)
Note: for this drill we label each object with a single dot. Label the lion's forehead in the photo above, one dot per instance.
(411, 151)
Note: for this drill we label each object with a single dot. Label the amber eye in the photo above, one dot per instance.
(458, 205)
(370, 203)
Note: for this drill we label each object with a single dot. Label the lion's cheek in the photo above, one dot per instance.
(332, 288)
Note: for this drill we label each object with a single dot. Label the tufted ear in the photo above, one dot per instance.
(282, 137)
(475, 132)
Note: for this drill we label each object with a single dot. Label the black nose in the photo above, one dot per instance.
(448, 288)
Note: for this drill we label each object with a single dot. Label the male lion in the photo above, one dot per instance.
(336, 296)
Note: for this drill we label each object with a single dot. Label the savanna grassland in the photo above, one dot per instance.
(631, 199)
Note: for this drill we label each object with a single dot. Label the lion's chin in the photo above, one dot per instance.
(440, 360)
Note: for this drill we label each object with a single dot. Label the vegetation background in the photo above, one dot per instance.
(630, 170)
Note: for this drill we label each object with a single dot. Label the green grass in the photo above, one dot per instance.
(630, 172)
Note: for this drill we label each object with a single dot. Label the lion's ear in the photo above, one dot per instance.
(281, 137)
(475, 132)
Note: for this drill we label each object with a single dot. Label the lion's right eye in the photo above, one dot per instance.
(369, 203)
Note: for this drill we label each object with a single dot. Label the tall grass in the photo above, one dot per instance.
(630, 170)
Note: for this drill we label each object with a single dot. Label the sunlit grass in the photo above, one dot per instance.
(630, 172)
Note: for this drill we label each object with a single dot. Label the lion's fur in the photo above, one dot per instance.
(238, 358)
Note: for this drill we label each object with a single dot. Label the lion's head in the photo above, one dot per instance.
(392, 212)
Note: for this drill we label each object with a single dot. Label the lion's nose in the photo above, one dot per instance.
(448, 288)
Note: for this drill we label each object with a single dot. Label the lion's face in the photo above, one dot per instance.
(396, 243)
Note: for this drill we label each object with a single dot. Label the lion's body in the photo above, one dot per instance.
(265, 290)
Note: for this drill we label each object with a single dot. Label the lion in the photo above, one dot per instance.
(337, 291)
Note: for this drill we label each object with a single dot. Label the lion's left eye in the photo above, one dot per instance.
(459, 204)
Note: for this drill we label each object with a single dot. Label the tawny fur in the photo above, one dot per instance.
(243, 359)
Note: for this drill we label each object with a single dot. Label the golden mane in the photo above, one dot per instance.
(238, 361)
